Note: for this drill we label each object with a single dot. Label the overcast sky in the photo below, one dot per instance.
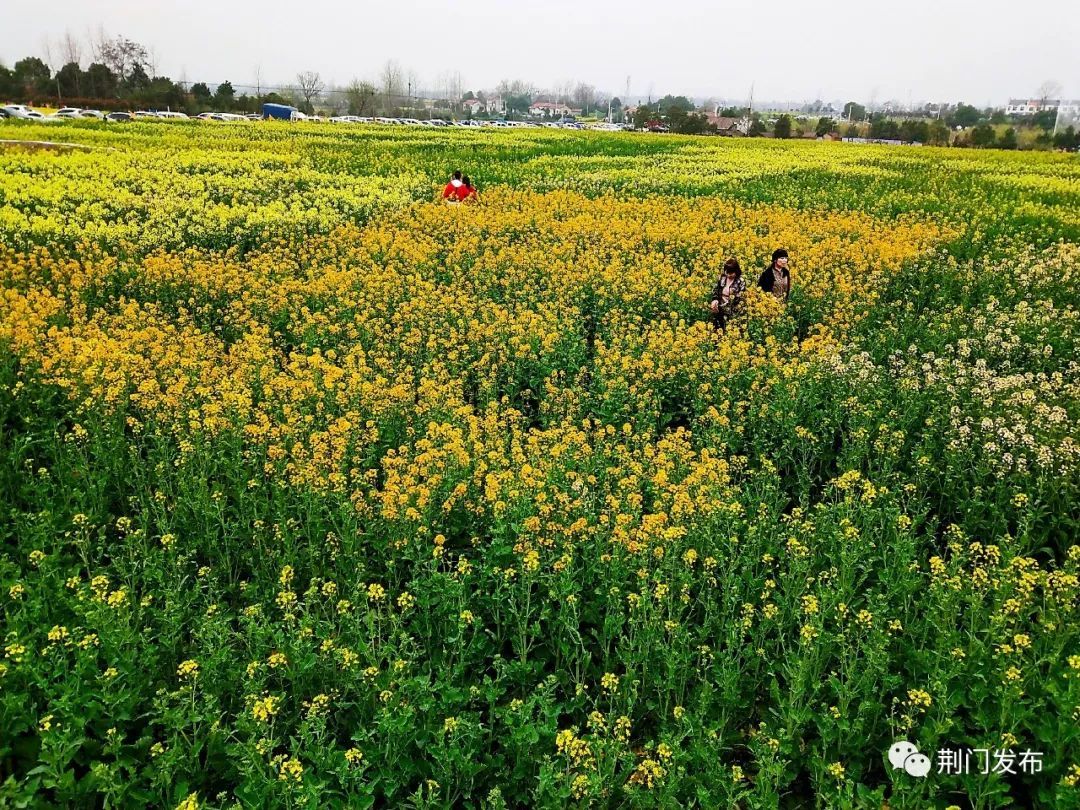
(789, 49)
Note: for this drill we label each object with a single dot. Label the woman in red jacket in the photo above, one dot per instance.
(452, 191)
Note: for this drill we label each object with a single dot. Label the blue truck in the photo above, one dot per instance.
(284, 112)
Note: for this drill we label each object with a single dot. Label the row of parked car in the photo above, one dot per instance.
(472, 122)
(69, 113)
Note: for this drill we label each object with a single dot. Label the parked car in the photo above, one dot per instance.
(118, 116)
(253, 117)
(173, 115)
(145, 114)
(68, 112)
(98, 114)
(17, 111)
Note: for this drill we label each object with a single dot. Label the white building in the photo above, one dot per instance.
(550, 109)
(1023, 106)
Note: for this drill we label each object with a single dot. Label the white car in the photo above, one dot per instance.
(173, 115)
(144, 114)
(18, 111)
(98, 114)
(68, 112)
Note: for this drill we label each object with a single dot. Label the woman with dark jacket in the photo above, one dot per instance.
(727, 294)
(776, 278)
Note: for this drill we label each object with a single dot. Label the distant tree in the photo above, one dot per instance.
(516, 95)
(675, 105)
(310, 85)
(782, 127)
(999, 117)
(390, 83)
(1045, 119)
(224, 96)
(852, 131)
(982, 135)
(915, 131)
(361, 97)
(201, 92)
(70, 49)
(757, 126)
(1067, 138)
(616, 107)
(883, 127)
(69, 79)
(965, 115)
(469, 96)
(8, 85)
(824, 127)
(100, 81)
(32, 76)
(122, 56)
(732, 112)
(691, 124)
(585, 97)
(1008, 139)
(1050, 89)
(641, 116)
(853, 111)
(162, 91)
(938, 133)
(138, 79)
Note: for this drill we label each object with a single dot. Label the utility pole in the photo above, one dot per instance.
(749, 109)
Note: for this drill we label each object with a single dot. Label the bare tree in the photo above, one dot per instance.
(1049, 89)
(121, 55)
(390, 81)
(309, 84)
(584, 97)
(334, 99)
(454, 90)
(70, 49)
(564, 91)
(361, 97)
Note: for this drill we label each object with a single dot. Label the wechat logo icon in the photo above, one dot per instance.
(905, 756)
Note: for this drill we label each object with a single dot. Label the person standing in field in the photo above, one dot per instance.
(727, 294)
(776, 278)
(451, 191)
